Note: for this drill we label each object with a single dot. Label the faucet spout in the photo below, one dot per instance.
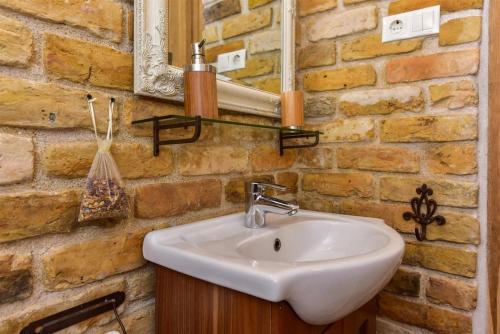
(258, 204)
(276, 205)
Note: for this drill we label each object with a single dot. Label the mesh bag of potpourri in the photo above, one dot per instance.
(104, 197)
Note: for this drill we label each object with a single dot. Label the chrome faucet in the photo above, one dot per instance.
(258, 204)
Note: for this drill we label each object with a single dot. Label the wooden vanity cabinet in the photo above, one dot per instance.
(187, 305)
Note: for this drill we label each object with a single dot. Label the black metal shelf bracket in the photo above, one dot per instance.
(295, 135)
(173, 124)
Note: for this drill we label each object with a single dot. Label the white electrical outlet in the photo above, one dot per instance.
(413, 24)
(231, 61)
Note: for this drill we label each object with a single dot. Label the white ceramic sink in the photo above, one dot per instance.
(328, 265)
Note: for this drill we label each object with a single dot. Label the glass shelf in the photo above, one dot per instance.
(179, 121)
(174, 118)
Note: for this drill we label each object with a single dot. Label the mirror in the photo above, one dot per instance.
(244, 41)
(249, 30)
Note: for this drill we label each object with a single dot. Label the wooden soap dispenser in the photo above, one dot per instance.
(200, 85)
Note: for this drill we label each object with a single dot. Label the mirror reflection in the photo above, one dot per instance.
(243, 38)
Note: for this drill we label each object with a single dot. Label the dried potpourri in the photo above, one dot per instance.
(105, 196)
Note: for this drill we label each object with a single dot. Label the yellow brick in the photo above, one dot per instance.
(345, 130)
(86, 261)
(339, 184)
(272, 85)
(316, 157)
(246, 23)
(211, 34)
(459, 159)
(314, 202)
(17, 279)
(435, 319)
(371, 46)
(101, 17)
(343, 78)
(382, 101)
(334, 24)
(31, 104)
(446, 259)
(307, 7)
(401, 6)
(458, 31)
(172, 199)
(266, 158)
(257, 3)
(16, 43)
(317, 54)
(429, 128)
(206, 160)
(17, 160)
(85, 62)
(459, 294)
(134, 160)
(454, 95)
(379, 158)
(218, 10)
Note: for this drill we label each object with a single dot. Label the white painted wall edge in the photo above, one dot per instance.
(480, 317)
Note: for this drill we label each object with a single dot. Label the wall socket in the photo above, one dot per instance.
(231, 61)
(422, 22)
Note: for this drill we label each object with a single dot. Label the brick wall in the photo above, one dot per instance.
(397, 115)
(52, 54)
(394, 115)
(253, 25)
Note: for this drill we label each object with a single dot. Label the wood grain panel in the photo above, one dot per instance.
(188, 305)
(200, 90)
(494, 163)
(185, 26)
(246, 314)
(284, 320)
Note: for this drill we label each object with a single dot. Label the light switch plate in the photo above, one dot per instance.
(422, 22)
(231, 61)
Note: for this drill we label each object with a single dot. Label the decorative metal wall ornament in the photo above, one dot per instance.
(423, 218)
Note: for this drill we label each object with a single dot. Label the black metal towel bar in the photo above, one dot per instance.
(72, 316)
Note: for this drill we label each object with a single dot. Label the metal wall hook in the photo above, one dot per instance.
(423, 218)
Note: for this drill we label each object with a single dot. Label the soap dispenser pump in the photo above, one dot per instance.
(200, 85)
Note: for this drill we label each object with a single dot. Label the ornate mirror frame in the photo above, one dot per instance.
(153, 76)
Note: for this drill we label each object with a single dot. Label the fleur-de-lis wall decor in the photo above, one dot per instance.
(423, 218)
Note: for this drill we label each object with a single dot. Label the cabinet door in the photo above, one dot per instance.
(187, 305)
(245, 314)
(285, 320)
(362, 321)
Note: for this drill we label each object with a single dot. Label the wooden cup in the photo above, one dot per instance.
(292, 109)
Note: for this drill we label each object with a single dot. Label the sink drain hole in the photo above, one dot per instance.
(277, 244)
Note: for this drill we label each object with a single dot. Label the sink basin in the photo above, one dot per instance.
(325, 265)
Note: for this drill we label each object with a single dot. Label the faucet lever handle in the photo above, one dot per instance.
(263, 186)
